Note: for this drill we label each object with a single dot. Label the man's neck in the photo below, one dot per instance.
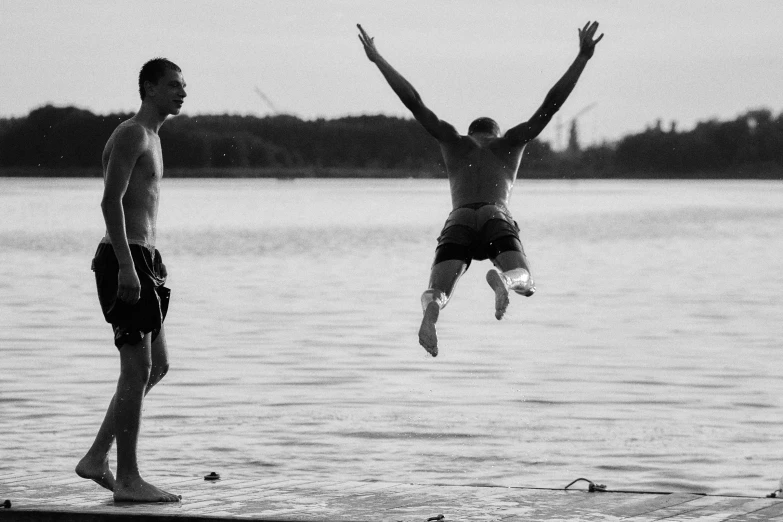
(150, 117)
(482, 138)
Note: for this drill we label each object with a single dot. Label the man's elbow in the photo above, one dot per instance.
(413, 104)
(109, 203)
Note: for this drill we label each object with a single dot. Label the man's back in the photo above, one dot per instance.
(481, 169)
(140, 200)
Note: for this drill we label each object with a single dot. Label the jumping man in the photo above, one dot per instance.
(130, 275)
(482, 168)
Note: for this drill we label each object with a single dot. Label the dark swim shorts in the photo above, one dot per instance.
(477, 231)
(132, 322)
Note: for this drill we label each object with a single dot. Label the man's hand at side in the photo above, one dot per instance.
(128, 284)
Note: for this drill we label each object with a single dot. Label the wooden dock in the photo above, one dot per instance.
(69, 498)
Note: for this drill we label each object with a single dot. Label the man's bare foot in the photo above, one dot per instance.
(138, 490)
(428, 336)
(97, 470)
(498, 284)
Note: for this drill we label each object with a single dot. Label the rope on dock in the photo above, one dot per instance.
(593, 487)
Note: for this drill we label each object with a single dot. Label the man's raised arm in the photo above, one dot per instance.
(557, 95)
(440, 130)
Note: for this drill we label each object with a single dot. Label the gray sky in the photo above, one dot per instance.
(678, 60)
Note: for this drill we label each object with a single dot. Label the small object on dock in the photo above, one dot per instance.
(7, 504)
(436, 517)
(778, 492)
(592, 488)
(212, 476)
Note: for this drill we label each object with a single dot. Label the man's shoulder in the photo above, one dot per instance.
(131, 130)
(130, 135)
(506, 145)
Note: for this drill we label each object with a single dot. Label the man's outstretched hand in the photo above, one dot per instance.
(586, 42)
(368, 43)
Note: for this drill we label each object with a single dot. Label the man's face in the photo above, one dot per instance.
(169, 93)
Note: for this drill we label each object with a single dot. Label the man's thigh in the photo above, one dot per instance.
(444, 275)
(159, 351)
(136, 357)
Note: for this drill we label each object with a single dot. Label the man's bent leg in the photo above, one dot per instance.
(95, 463)
(514, 275)
(135, 368)
(443, 279)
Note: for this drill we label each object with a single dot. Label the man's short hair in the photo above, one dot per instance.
(153, 71)
(484, 125)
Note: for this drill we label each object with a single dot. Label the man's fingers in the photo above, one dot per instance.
(598, 39)
(366, 38)
(585, 27)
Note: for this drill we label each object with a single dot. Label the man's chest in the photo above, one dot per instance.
(150, 164)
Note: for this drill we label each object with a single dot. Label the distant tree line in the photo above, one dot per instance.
(66, 139)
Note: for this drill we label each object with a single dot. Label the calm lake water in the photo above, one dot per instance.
(650, 358)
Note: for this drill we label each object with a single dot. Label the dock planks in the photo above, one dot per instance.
(69, 498)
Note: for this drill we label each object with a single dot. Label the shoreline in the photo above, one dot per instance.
(371, 173)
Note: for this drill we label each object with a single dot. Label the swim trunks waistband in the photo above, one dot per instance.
(479, 204)
(139, 242)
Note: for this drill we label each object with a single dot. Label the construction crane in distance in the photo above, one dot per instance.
(573, 137)
(266, 100)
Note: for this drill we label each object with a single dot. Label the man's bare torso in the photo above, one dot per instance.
(140, 202)
(481, 169)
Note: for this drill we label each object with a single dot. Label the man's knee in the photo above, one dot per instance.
(519, 281)
(157, 373)
(433, 295)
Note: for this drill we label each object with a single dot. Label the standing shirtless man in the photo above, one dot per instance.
(130, 277)
(482, 168)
